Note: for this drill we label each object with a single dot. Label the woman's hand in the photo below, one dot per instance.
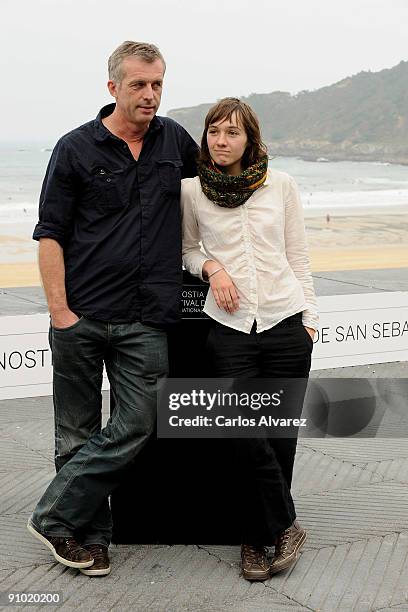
(310, 331)
(224, 290)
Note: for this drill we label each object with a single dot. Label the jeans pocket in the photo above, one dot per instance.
(65, 329)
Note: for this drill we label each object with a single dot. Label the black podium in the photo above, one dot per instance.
(180, 491)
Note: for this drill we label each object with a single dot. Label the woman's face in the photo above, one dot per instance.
(227, 141)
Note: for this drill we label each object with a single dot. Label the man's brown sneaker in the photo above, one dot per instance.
(65, 550)
(254, 563)
(101, 567)
(287, 548)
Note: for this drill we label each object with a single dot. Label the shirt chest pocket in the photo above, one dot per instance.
(109, 189)
(169, 171)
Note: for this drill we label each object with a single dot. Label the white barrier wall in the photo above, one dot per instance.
(361, 329)
(354, 329)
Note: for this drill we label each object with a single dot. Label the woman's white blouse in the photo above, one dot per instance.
(261, 244)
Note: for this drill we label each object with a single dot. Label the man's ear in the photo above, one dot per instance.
(112, 87)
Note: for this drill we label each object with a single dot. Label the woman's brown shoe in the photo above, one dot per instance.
(287, 548)
(254, 563)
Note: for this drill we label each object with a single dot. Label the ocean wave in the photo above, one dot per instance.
(381, 181)
(350, 199)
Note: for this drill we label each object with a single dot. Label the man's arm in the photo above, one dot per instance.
(52, 269)
(56, 213)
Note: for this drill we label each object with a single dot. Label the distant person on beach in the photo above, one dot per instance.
(243, 232)
(110, 260)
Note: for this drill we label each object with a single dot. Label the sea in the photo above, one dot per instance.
(344, 187)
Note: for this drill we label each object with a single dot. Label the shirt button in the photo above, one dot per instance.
(108, 180)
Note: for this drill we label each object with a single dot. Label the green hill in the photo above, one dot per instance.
(362, 117)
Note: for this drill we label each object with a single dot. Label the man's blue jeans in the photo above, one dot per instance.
(89, 460)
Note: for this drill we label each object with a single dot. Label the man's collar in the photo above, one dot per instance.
(101, 133)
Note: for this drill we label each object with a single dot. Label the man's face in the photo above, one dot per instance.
(138, 94)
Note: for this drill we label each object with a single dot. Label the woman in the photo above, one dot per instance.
(249, 221)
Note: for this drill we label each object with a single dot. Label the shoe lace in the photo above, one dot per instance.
(283, 540)
(254, 554)
(71, 545)
(96, 551)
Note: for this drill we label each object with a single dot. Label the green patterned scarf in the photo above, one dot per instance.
(232, 191)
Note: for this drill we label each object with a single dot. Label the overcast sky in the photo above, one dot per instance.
(54, 52)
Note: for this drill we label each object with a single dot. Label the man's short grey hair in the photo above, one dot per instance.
(146, 51)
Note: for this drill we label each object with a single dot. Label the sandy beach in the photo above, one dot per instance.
(361, 242)
(352, 242)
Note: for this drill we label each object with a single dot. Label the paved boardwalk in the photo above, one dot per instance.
(351, 496)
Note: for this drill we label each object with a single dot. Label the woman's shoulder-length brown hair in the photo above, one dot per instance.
(224, 109)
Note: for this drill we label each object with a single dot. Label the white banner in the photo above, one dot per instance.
(25, 357)
(356, 329)
(362, 328)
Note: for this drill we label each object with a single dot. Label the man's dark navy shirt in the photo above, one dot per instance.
(118, 220)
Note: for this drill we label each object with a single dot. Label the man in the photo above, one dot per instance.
(110, 260)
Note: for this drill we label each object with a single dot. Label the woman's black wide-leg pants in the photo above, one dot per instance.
(261, 468)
